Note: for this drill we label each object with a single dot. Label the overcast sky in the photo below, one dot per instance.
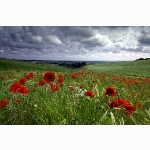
(75, 42)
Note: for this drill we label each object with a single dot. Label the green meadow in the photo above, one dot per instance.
(115, 93)
(131, 68)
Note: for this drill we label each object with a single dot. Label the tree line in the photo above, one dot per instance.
(73, 65)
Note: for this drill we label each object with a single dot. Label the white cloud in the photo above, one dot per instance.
(84, 51)
(103, 38)
(37, 38)
(66, 51)
(97, 40)
(15, 52)
(127, 39)
(54, 39)
(146, 49)
(1, 51)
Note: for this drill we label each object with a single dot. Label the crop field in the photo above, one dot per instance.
(115, 93)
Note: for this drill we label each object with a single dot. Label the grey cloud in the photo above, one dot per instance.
(53, 39)
(37, 38)
(144, 40)
(78, 31)
(1, 51)
(72, 40)
(98, 40)
(138, 49)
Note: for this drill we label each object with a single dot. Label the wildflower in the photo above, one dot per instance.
(3, 103)
(24, 90)
(73, 76)
(49, 76)
(129, 109)
(42, 82)
(111, 91)
(90, 93)
(54, 87)
(113, 103)
(120, 102)
(124, 104)
(29, 76)
(15, 87)
(23, 81)
(60, 79)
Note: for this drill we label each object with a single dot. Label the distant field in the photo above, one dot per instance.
(140, 68)
(5, 65)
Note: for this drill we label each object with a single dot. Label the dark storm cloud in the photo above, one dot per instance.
(46, 37)
(144, 40)
(49, 41)
(78, 31)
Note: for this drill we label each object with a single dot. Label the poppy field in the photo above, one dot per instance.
(98, 94)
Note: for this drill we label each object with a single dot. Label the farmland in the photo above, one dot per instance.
(115, 93)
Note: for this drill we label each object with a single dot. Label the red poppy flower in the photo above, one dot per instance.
(42, 82)
(15, 87)
(24, 90)
(54, 87)
(3, 103)
(124, 104)
(29, 76)
(23, 81)
(120, 102)
(90, 93)
(73, 76)
(49, 76)
(60, 79)
(113, 103)
(111, 91)
(129, 109)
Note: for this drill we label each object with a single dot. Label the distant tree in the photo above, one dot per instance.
(141, 59)
(74, 65)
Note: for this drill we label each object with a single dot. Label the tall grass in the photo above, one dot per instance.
(130, 68)
(72, 107)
